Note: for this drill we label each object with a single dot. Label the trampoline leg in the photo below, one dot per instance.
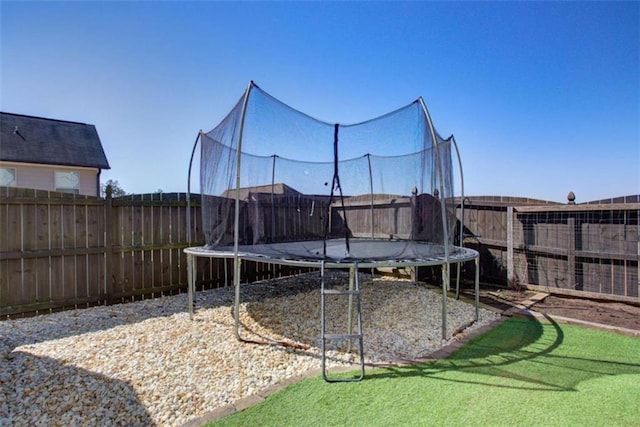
(350, 308)
(458, 281)
(226, 273)
(236, 307)
(359, 325)
(190, 283)
(477, 288)
(323, 322)
(445, 286)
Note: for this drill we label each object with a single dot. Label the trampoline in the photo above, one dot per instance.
(309, 208)
(367, 253)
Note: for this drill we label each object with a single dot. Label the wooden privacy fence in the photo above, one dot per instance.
(51, 249)
(572, 249)
(382, 216)
(61, 250)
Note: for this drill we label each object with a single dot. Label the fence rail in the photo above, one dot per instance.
(62, 251)
(589, 248)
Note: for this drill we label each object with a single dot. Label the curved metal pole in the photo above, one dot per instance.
(455, 145)
(273, 216)
(191, 279)
(193, 152)
(445, 266)
(373, 227)
(371, 192)
(236, 223)
(439, 167)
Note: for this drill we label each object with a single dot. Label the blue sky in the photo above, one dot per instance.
(542, 97)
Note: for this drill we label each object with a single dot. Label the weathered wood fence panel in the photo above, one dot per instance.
(490, 240)
(150, 231)
(282, 218)
(591, 248)
(62, 251)
(50, 242)
(388, 216)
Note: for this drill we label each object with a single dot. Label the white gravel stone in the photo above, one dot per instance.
(147, 363)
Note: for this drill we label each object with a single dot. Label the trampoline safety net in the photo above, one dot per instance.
(277, 182)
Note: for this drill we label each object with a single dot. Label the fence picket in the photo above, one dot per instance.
(61, 250)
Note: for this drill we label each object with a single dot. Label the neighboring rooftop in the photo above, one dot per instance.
(28, 139)
(277, 188)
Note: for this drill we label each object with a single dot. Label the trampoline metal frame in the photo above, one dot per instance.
(352, 264)
(238, 257)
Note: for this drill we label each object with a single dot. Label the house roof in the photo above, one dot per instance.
(277, 188)
(28, 139)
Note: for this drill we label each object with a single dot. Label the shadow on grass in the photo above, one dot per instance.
(520, 354)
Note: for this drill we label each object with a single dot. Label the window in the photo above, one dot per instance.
(67, 182)
(8, 177)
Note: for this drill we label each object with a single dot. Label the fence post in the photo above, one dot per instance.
(108, 245)
(511, 276)
(571, 253)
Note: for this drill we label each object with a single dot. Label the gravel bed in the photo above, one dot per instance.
(147, 363)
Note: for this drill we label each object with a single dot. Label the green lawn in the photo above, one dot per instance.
(523, 372)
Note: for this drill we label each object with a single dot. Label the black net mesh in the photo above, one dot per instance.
(306, 189)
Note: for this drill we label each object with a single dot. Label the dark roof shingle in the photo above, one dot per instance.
(28, 139)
